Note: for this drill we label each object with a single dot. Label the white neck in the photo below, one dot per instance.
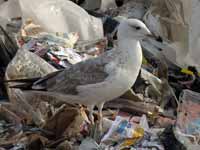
(129, 56)
(129, 48)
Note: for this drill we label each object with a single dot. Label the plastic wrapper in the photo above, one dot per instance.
(68, 54)
(144, 123)
(187, 128)
(123, 132)
(57, 49)
(63, 16)
(63, 39)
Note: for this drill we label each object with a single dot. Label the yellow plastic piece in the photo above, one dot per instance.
(186, 71)
(137, 134)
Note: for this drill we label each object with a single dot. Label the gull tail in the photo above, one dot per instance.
(22, 80)
(23, 84)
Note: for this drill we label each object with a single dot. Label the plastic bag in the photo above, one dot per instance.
(123, 133)
(176, 20)
(62, 16)
(187, 128)
(8, 10)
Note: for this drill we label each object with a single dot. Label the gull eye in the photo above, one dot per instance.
(137, 28)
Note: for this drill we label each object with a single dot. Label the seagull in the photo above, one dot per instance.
(97, 80)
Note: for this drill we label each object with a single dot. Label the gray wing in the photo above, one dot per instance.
(87, 72)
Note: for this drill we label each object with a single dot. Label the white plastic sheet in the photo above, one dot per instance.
(177, 20)
(54, 16)
(8, 10)
(62, 16)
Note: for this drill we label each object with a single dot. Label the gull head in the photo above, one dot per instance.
(133, 29)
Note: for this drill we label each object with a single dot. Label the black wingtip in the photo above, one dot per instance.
(22, 80)
(22, 86)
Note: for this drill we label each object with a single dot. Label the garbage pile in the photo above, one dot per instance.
(159, 112)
